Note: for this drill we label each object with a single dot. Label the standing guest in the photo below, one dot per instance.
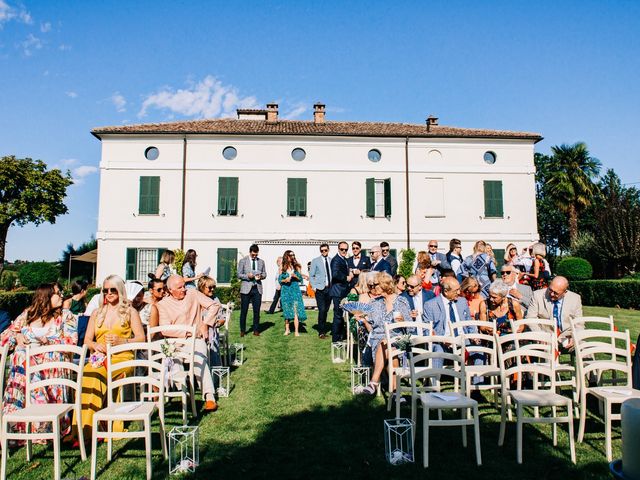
(276, 295)
(489, 251)
(501, 308)
(190, 307)
(166, 267)
(76, 302)
(454, 257)
(358, 263)
(538, 275)
(251, 272)
(44, 322)
(526, 260)
(115, 322)
(189, 269)
(522, 293)
(438, 261)
(291, 297)
(207, 286)
(470, 290)
(401, 284)
(386, 254)
(480, 266)
(378, 263)
(340, 281)
(390, 307)
(416, 296)
(511, 256)
(320, 280)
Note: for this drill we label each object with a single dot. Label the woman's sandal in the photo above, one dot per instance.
(371, 389)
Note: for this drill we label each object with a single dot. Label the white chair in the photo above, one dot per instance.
(536, 359)
(50, 413)
(143, 375)
(183, 379)
(439, 401)
(604, 351)
(223, 334)
(4, 353)
(393, 332)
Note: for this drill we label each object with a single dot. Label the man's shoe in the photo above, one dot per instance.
(322, 336)
(256, 334)
(210, 406)
(241, 334)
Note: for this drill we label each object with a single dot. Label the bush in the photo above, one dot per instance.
(574, 268)
(608, 293)
(406, 264)
(33, 274)
(178, 260)
(15, 302)
(8, 279)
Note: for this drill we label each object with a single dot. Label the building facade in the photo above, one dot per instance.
(219, 185)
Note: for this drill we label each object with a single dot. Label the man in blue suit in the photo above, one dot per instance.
(341, 278)
(416, 296)
(378, 264)
(320, 280)
(438, 261)
(358, 263)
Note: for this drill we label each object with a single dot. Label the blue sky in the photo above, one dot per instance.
(568, 70)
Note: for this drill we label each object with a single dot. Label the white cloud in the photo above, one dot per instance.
(30, 44)
(71, 94)
(81, 172)
(295, 111)
(45, 27)
(67, 162)
(119, 102)
(9, 13)
(208, 98)
(64, 47)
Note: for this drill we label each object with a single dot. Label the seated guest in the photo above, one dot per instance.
(207, 286)
(389, 307)
(538, 276)
(156, 293)
(115, 322)
(360, 291)
(378, 263)
(501, 308)
(416, 296)
(185, 307)
(454, 257)
(76, 303)
(522, 293)
(470, 290)
(425, 273)
(559, 303)
(44, 322)
(401, 284)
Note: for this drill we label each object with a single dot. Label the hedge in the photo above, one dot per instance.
(574, 268)
(608, 293)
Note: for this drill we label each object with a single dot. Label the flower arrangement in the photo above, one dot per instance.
(168, 348)
(403, 343)
(97, 359)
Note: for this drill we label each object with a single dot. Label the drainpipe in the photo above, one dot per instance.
(406, 178)
(184, 189)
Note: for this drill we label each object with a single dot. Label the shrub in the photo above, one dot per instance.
(574, 268)
(15, 302)
(33, 274)
(8, 279)
(406, 264)
(608, 293)
(178, 259)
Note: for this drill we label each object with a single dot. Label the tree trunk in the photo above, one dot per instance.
(4, 229)
(573, 223)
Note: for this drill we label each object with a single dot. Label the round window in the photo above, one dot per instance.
(151, 153)
(374, 155)
(490, 157)
(229, 153)
(298, 154)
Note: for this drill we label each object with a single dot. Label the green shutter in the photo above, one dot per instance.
(499, 254)
(493, 206)
(149, 198)
(292, 191)
(387, 197)
(132, 260)
(222, 196)
(160, 252)
(371, 197)
(226, 260)
(232, 202)
(302, 197)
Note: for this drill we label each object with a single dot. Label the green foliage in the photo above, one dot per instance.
(178, 260)
(91, 292)
(83, 270)
(15, 302)
(234, 285)
(8, 279)
(33, 274)
(574, 268)
(609, 293)
(406, 263)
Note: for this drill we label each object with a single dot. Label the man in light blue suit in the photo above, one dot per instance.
(320, 280)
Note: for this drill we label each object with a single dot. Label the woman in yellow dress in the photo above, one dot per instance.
(115, 322)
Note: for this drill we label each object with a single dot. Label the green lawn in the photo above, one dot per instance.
(291, 415)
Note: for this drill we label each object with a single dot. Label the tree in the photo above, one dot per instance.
(29, 193)
(406, 264)
(35, 273)
(552, 224)
(570, 181)
(78, 269)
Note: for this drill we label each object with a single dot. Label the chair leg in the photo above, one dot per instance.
(83, 449)
(519, 432)
(109, 440)
(94, 448)
(476, 433)
(163, 438)
(5, 446)
(607, 429)
(554, 427)
(398, 397)
(583, 414)
(185, 407)
(463, 414)
(29, 442)
(56, 449)
(503, 421)
(425, 437)
(192, 394)
(147, 445)
(572, 447)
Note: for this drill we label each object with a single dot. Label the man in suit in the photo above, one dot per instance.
(251, 272)
(320, 280)
(438, 261)
(558, 303)
(386, 254)
(340, 280)
(379, 264)
(416, 296)
(454, 257)
(522, 293)
(358, 263)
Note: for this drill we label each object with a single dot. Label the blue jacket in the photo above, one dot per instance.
(339, 272)
(423, 296)
(318, 272)
(382, 266)
(434, 312)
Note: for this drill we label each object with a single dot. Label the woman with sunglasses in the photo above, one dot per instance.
(44, 322)
(207, 286)
(115, 322)
(290, 295)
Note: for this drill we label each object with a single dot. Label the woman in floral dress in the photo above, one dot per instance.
(290, 295)
(480, 266)
(43, 323)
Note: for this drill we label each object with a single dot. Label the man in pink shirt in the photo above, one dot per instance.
(190, 307)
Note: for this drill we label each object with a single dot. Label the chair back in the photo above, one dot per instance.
(527, 354)
(183, 337)
(477, 338)
(452, 368)
(395, 331)
(533, 325)
(227, 311)
(592, 323)
(604, 350)
(62, 372)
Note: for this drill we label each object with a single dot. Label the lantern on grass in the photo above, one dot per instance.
(237, 354)
(339, 352)
(398, 441)
(221, 380)
(359, 378)
(184, 450)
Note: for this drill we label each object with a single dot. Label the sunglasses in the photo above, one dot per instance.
(385, 249)
(324, 250)
(433, 246)
(105, 291)
(159, 289)
(373, 284)
(343, 249)
(355, 248)
(412, 286)
(507, 272)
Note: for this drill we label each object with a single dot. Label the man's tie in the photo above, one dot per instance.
(254, 268)
(556, 316)
(452, 315)
(326, 266)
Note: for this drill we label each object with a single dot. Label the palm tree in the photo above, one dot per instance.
(571, 181)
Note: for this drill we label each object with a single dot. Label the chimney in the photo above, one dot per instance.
(318, 112)
(272, 112)
(431, 121)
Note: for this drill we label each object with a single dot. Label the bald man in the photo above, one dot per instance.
(558, 303)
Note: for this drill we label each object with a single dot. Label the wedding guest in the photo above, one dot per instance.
(44, 322)
(489, 251)
(166, 267)
(501, 308)
(480, 266)
(115, 322)
(422, 256)
(438, 261)
(251, 272)
(425, 273)
(386, 254)
(76, 302)
(401, 284)
(156, 293)
(470, 290)
(454, 257)
(416, 296)
(320, 281)
(207, 286)
(358, 263)
(189, 269)
(340, 280)
(538, 276)
(522, 293)
(378, 263)
(291, 297)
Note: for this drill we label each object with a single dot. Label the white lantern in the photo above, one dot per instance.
(339, 352)
(359, 378)
(398, 441)
(237, 354)
(221, 380)
(184, 450)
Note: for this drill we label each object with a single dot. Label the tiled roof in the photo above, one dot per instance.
(298, 127)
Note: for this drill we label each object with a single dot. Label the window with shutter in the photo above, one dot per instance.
(371, 197)
(226, 259)
(132, 262)
(387, 197)
(493, 204)
(228, 196)
(297, 197)
(149, 196)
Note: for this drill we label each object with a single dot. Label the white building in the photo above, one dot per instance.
(219, 185)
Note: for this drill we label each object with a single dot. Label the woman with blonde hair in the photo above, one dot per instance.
(470, 290)
(115, 322)
(480, 266)
(189, 269)
(165, 269)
